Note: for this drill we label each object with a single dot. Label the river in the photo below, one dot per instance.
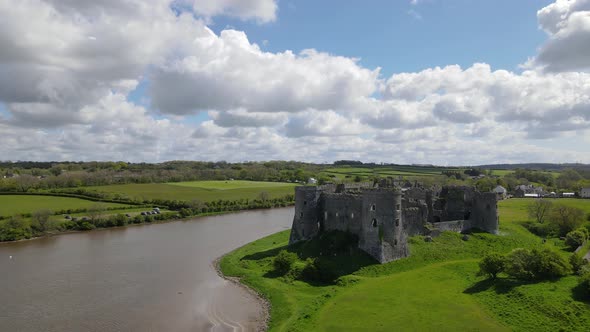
(156, 277)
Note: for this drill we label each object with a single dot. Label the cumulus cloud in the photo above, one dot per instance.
(68, 67)
(567, 23)
(227, 71)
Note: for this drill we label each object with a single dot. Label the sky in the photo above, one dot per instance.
(457, 82)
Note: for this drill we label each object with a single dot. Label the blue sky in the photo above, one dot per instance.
(416, 81)
(387, 34)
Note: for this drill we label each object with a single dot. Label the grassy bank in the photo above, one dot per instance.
(435, 289)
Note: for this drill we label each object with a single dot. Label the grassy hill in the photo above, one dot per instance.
(436, 288)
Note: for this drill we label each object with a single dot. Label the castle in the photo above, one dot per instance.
(384, 215)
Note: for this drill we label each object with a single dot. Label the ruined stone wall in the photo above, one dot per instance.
(414, 216)
(341, 212)
(485, 212)
(453, 225)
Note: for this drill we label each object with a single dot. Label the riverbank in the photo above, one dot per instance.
(261, 323)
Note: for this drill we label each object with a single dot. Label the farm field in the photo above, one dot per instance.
(436, 288)
(384, 171)
(16, 204)
(200, 190)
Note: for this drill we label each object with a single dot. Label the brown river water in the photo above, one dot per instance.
(146, 278)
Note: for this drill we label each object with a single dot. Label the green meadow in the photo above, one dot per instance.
(201, 190)
(436, 288)
(17, 204)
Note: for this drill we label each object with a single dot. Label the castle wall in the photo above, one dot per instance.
(453, 226)
(341, 212)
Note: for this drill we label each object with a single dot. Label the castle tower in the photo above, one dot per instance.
(382, 233)
(306, 221)
(485, 212)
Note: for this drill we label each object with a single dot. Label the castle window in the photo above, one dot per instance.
(488, 207)
(374, 222)
(304, 202)
(397, 222)
(336, 214)
(395, 242)
(373, 207)
(326, 215)
(398, 207)
(352, 215)
(301, 215)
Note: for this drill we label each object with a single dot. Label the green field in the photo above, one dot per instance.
(15, 204)
(436, 288)
(343, 172)
(200, 190)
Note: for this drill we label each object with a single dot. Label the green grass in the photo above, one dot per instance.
(16, 204)
(200, 190)
(436, 288)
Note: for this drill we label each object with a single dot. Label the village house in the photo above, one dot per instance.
(585, 193)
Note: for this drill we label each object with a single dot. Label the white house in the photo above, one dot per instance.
(532, 195)
(585, 193)
(568, 195)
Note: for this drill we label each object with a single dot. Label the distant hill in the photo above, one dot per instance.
(537, 166)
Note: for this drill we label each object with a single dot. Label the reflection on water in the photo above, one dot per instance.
(145, 278)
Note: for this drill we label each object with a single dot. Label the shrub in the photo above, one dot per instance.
(575, 238)
(319, 270)
(283, 261)
(578, 263)
(536, 264)
(492, 264)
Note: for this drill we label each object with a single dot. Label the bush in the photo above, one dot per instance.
(283, 261)
(492, 264)
(576, 238)
(584, 284)
(536, 264)
(578, 263)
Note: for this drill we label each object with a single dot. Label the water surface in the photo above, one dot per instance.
(147, 278)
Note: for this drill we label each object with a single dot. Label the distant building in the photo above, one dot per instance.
(568, 195)
(312, 181)
(531, 196)
(585, 193)
(524, 189)
(500, 192)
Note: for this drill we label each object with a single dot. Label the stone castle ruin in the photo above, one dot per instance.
(383, 216)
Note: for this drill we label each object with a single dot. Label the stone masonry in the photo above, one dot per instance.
(383, 216)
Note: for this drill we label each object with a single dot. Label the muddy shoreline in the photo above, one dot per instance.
(261, 322)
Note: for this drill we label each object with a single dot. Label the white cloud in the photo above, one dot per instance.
(263, 11)
(68, 66)
(567, 23)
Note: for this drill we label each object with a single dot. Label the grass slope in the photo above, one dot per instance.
(201, 190)
(436, 288)
(15, 204)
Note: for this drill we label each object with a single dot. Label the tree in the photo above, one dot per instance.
(41, 220)
(575, 238)
(492, 264)
(539, 209)
(566, 218)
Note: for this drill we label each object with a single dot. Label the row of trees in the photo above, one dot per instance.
(553, 219)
